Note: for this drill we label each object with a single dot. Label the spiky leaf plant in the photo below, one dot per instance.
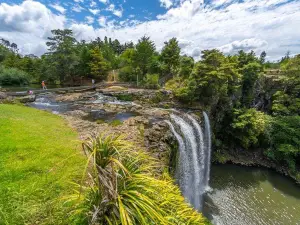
(125, 189)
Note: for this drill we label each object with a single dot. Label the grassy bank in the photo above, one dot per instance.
(39, 160)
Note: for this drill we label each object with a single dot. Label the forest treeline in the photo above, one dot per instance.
(254, 104)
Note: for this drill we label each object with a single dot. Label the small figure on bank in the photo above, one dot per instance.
(93, 83)
(30, 92)
(44, 85)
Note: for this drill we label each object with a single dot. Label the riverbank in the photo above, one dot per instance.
(40, 159)
(254, 158)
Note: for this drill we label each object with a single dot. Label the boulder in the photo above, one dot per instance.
(3, 95)
(27, 99)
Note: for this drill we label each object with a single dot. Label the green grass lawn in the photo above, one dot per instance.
(39, 161)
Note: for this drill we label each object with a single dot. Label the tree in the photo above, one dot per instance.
(248, 126)
(251, 73)
(170, 56)
(98, 65)
(62, 48)
(145, 49)
(262, 57)
(186, 66)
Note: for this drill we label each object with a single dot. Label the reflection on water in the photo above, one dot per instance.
(250, 196)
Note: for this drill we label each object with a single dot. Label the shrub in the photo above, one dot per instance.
(127, 74)
(13, 76)
(151, 81)
(116, 123)
(284, 137)
(125, 189)
(248, 126)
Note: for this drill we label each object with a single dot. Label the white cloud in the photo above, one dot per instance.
(94, 11)
(79, 1)
(77, 8)
(116, 12)
(270, 25)
(58, 7)
(28, 25)
(166, 3)
(102, 21)
(104, 1)
(246, 45)
(93, 3)
(89, 19)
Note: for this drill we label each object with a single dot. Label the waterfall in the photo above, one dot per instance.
(191, 172)
(208, 149)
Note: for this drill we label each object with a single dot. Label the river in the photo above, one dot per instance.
(251, 196)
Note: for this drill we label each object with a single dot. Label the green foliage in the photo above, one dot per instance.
(62, 50)
(251, 73)
(284, 104)
(248, 126)
(124, 190)
(127, 74)
(116, 123)
(170, 56)
(284, 137)
(13, 76)
(145, 49)
(98, 66)
(40, 159)
(186, 66)
(151, 81)
(216, 77)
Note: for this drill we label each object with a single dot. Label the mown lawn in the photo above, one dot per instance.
(40, 159)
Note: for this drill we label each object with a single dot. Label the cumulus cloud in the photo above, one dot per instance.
(77, 8)
(94, 11)
(89, 19)
(116, 12)
(102, 21)
(58, 8)
(270, 25)
(93, 3)
(166, 3)
(246, 45)
(104, 1)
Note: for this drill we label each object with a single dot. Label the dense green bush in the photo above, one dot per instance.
(13, 76)
(248, 126)
(284, 137)
(151, 81)
(127, 74)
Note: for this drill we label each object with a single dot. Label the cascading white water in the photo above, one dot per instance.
(193, 155)
(208, 149)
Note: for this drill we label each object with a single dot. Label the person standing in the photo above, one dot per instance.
(44, 85)
(93, 83)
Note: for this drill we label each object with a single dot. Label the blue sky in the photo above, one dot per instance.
(229, 25)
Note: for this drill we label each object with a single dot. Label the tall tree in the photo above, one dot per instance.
(170, 55)
(145, 49)
(186, 66)
(99, 67)
(62, 47)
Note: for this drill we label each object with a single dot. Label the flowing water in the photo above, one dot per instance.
(233, 195)
(193, 156)
(250, 196)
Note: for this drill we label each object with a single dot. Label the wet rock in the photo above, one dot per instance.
(27, 99)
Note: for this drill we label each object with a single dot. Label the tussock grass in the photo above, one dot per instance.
(126, 189)
(39, 161)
